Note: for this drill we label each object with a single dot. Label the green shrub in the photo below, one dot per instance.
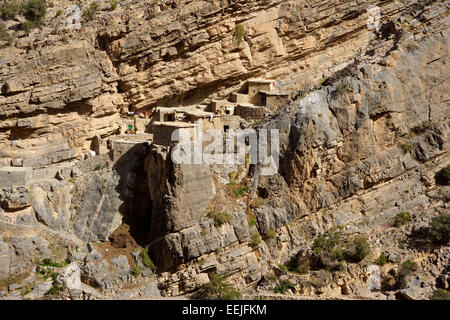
(255, 238)
(4, 35)
(443, 176)
(405, 269)
(284, 269)
(239, 34)
(239, 192)
(27, 26)
(137, 271)
(89, 12)
(342, 88)
(406, 147)
(219, 289)
(146, 260)
(55, 289)
(382, 259)
(441, 294)
(113, 5)
(219, 218)
(58, 13)
(10, 9)
(440, 228)
(251, 219)
(271, 234)
(402, 218)
(357, 249)
(35, 11)
(283, 286)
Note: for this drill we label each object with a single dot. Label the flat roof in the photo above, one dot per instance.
(275, 93)
(175, 124)
(260, 80)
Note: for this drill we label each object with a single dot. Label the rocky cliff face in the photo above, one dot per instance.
(360, 143)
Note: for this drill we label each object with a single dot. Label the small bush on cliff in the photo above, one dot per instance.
(113, 5)
(10, 9)
(271, 234)
(382, 259)
(137, 271)
(443, 176)
(441, 294)
(35, 11)
(27, 26)
(219, 218)
(89, 12)
(4, 36)
(405, 269)
(146, 260)
(440, 228)
(357, 249)
(219, 289)
(255, 238)
(239, 34)
(402, 218)
(283, 287)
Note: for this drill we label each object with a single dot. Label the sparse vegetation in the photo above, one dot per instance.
(251, 219)
(271, 234)
(258, 202)
(146, 260)
(284, 269)
(239, 34)
(219, 289)
(58, 13)
(219, 217)
(27, 26)
(255, 238)
(402, 218)
(283, 287)
(440, 294)
(47, 262)
(4, 36)
(137, 271)
(342, 88)
(440, 228)
(90, 12)
(405, 269)
(10, 9)
(56, 289)
(357, 249)
(330, 250)
(113, 5)
(406, 147)
(382, 259)
(443, 176)
(240, 191)
(35, 11)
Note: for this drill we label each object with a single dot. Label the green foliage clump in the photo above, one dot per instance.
(406, 268)
(284, 269)
(146, 260)
(271, 234)
(251, 219)
(27, 26)
(58, 13)
(137, 271)
(239, 33)
(440, 228)
(56, 289)
(255, 238)
(35, 11)
(402, 218)
(283, 286)
(113, 5)
(440, 294)
(330, 250)
(239, 191)
(219, 218)
(357, 249)
(406, 147)
(382, 259)
(342, 88)
(47, 262)
(219, 289)
(10, 9)
(89, 12)
(4, 35)
(443, 176)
